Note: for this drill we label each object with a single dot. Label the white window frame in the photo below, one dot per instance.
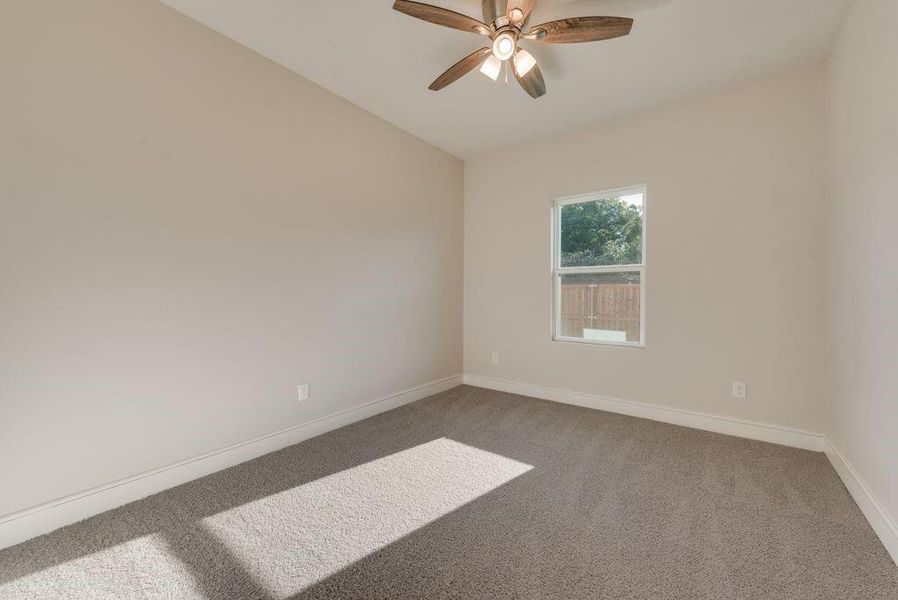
(558, 270)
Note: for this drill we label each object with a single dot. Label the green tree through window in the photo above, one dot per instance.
(601, 233)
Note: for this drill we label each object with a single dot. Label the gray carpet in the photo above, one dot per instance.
(480, 494)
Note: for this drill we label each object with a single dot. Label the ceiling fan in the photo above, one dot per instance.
(506, 24)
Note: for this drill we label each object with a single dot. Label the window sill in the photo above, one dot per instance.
(581, 342)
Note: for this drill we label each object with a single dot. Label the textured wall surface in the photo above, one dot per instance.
(187, 232)
(863, 276)
(735, 213)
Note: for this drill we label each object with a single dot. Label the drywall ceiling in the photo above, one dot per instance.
(383, 61)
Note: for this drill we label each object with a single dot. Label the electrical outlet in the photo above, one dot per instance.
(740, 390)
(304, 392)
(495, 358)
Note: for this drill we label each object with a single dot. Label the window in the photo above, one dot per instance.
(599, 268)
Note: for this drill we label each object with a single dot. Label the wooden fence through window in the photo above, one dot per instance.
(610, 307)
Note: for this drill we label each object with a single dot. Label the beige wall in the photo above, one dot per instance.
(863, 254)
(733, 260)
(188, 231)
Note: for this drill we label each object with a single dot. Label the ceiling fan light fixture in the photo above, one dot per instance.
(491, 67)
(523, 62)
(504, 46)
(505, 23)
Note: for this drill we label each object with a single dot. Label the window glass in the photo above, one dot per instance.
(601, 306)
(600, 268)
(602, 232)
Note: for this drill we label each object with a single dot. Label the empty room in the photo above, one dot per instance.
(472, 299)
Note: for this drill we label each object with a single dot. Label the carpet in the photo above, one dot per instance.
(474, 493)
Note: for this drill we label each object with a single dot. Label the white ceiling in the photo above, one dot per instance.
(383, 61)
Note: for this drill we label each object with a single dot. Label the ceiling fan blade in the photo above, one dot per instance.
(532, 81)
(613, 7)
(441, 16)
(461, 68)
(580, 29)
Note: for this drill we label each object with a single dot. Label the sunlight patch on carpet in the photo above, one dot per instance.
(142, 562)
(295, 538)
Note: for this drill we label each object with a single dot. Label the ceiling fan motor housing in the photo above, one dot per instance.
(493, 9)
(498, 14)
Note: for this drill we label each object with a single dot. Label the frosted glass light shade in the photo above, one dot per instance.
(504, 47)
(491, 68)
(523, 62)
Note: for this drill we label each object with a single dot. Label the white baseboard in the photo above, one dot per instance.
(31, 522)
(696, 420)
(882, 523)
